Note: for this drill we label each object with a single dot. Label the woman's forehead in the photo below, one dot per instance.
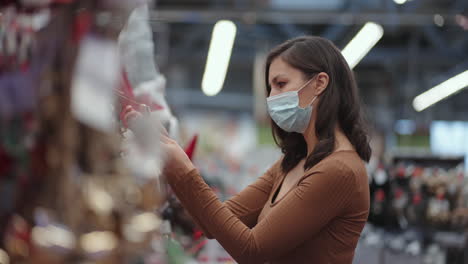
(279, 68)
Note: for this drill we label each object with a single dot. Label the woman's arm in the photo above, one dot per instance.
(247, 204)
(316, 200)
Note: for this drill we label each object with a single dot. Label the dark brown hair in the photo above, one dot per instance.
(338, 104)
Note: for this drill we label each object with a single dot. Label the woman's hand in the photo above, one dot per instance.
(128, 114)
(177, 162)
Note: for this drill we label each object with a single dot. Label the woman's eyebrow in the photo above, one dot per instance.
(276, 78)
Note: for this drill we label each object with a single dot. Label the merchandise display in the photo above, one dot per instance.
(62, 157)
(415, 208)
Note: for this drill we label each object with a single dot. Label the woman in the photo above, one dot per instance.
(312, 204)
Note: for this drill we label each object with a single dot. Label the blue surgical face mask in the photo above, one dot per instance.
(285, 111)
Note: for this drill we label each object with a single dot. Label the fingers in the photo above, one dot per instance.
(165, 139)
(144, 108)
(128, 108)
(163, 129)
(131, 115)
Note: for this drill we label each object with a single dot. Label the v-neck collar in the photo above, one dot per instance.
(278, 187)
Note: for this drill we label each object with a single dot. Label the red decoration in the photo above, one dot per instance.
(440, 196)
(190, 149)
(197, 234)
(5, 163)
(128, 98)
(417, 198)
(81, 26)
(398, 193)
(380, 195)
(401, 172)
(418, 171)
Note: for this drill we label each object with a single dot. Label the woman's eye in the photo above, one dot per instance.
(281, 84)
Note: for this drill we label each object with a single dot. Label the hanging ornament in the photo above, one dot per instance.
(400, 202)
(378, 203)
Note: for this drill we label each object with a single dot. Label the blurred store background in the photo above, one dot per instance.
(420, 147)
(410, 58)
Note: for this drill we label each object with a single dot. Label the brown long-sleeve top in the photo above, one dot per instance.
(318, 221)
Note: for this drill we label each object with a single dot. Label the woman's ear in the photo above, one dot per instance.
(321, 83)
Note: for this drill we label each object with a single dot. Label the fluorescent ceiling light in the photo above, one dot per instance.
(438, 20)
(362, 43)
(441, 91)
(400, 2)
(219, 54)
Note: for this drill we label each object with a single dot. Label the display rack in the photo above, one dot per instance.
(413, 199)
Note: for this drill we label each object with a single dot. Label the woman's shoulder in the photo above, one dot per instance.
(276, 167)
(275, 171)
(341, 164)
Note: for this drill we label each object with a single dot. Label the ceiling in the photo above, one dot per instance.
(413, 55)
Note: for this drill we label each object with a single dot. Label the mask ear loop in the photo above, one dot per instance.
(305, 84)
(315, 98)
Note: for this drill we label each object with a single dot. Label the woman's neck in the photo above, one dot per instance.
(341, 140)
(310, 138)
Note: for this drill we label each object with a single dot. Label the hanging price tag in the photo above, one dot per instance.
(96, 76)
